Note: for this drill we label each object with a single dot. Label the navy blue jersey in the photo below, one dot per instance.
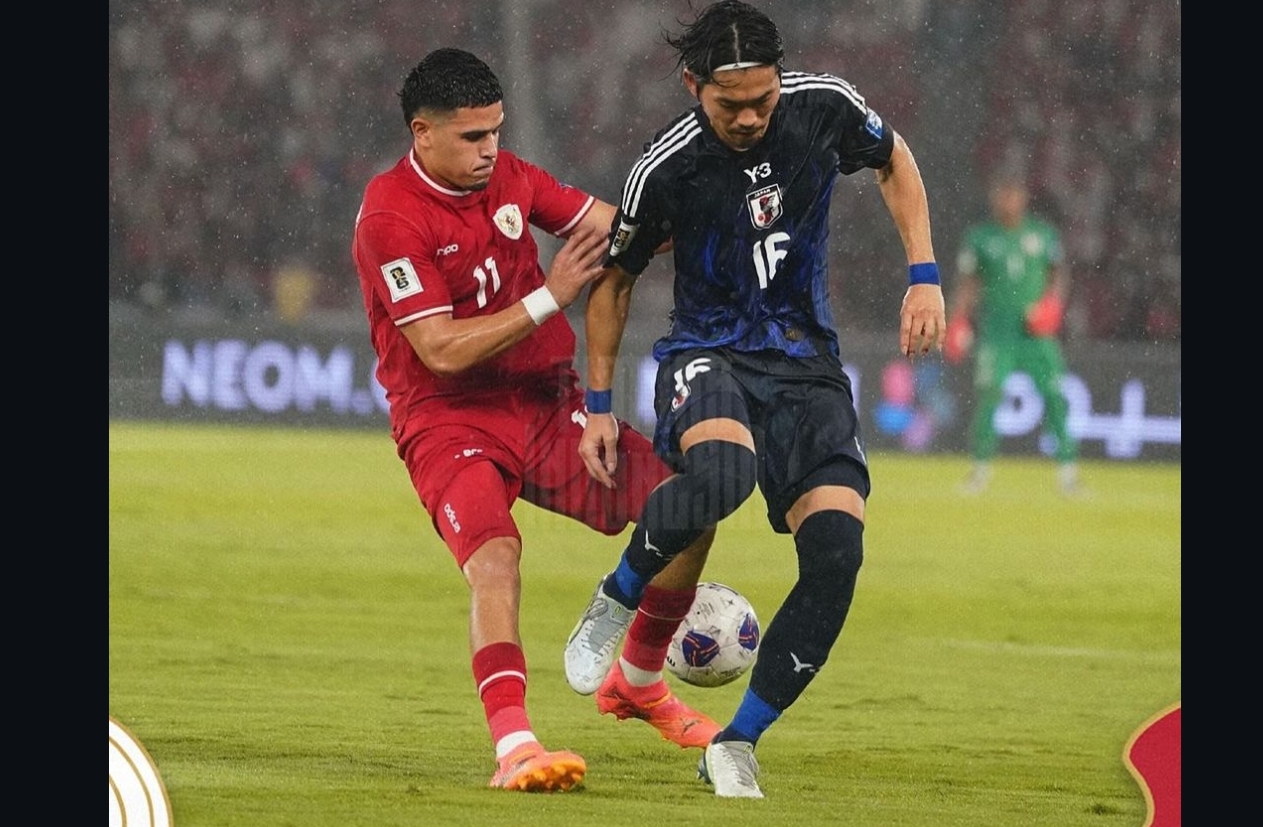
(750, 228)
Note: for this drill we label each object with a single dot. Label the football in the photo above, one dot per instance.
(719, 639)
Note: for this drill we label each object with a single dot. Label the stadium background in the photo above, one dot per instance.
(241, 135)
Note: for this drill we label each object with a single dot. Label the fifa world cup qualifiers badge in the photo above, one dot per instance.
(873, 124)
(623, 237)
(137, 795)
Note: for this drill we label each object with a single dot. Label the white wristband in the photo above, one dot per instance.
(540, 304)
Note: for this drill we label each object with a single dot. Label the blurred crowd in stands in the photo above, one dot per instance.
(242, 133)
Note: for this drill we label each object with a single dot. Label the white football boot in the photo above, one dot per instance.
(730, 766)
(593, 645)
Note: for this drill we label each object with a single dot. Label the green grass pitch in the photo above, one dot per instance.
(288, 640)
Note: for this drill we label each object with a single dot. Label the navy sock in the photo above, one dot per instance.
(625, 585)
(751, 720)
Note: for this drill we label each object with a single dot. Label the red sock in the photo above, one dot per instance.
(500, 675)
(660, 613)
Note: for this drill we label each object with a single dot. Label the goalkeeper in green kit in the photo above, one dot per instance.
(1011, 288)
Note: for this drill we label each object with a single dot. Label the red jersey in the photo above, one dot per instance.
(422, 249)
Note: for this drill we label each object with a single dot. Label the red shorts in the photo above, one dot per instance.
(473, 457)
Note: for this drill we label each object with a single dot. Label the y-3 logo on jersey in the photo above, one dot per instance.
(763, 170)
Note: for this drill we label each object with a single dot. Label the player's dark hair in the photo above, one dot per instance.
(729, 31)
(446, 80)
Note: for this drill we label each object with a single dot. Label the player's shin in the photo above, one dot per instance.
(802, 633)
(650, 634)
(500, 675)
(717, 477)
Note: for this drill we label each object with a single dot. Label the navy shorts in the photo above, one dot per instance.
(800, 410)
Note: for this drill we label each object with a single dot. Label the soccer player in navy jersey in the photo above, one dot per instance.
(476, 359)
(750, 387)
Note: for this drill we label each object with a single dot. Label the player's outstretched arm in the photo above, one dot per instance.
(450, 346)
(605, 318)
(922, 316)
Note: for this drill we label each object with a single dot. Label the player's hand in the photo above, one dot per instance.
(922, 320)
(598, 447)
(576, 265)
(1043, 318)
(959, 340)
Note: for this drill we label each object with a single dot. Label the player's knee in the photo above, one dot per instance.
(493, 565)
(720, 475)
(830, 547)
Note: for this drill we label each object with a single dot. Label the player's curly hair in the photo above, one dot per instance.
(446, 80)
(729, 31)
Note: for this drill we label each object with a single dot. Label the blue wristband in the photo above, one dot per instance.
(925, 273)
(598, 402)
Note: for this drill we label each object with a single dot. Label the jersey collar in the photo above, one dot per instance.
(416, 166)
(715, 146)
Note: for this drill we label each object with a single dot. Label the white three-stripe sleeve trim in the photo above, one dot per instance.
(671, 143)
(658, 146)
(663, 144)
(801, 82)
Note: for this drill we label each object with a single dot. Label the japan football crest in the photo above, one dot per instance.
(509, 219)
(765, 206)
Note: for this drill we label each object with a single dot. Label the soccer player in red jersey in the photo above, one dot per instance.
(476, 358)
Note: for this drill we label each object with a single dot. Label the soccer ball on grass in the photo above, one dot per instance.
(719, 639)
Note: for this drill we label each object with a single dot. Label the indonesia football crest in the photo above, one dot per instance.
(509, 219)
(765, 206)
